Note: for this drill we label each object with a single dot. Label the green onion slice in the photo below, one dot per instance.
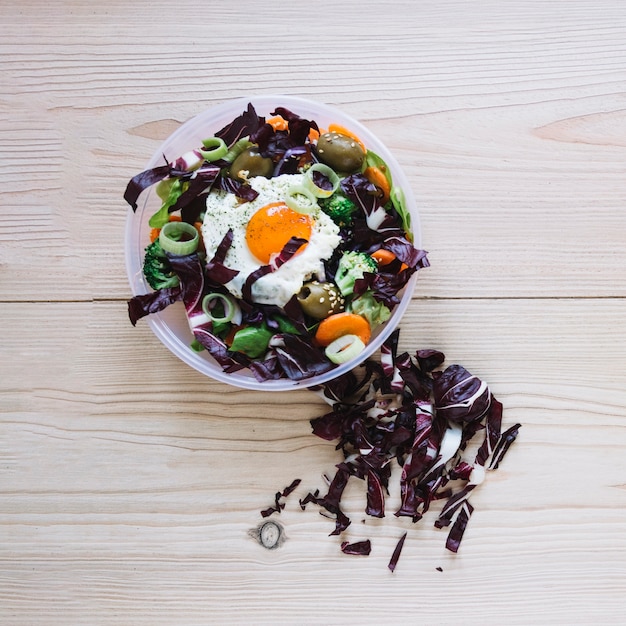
(228, 304)
(214, 148)
(344, 348)
(300, 199)
(328, 173)
(179, 238)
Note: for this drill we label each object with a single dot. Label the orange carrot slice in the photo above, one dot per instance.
(339, 324)
(385, 257)
(377, 177)
(314, 135)
(278, 122)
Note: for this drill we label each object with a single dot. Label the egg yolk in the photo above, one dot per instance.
(272, 226)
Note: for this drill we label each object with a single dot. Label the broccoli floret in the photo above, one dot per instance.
(372, 310)
(339, 208)
(157, 269)
(352, 266)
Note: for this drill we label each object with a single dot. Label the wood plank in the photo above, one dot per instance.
(517, 171)
(128, 486)
(91, 350)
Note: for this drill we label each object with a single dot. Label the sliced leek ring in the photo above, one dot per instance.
(344, 348)
(230, 307)
(326, 171)
(214, 148)
(179, 238)
(298, 198)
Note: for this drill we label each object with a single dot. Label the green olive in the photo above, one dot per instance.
(319, 300)
(253, 163)
(340, 152)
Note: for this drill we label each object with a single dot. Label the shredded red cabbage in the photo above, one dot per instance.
(142, 181)
(396, 553)
(506, 439)
(405, 409)
(153, 302)
(243, 125)
(279, 496)
(359, 548)
(215, 271)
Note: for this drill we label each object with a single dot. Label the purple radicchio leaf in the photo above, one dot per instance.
(268, 369)
(245, 124)
(368, 198)
(349, 386)
(142, 181)
(506, 440)
(200, 182)
(363, 193)
(452, 505)
(393, 562)
(358, 548)
(299, 127)
(216, 272)
(375, 495)
(267, 139)
(461, 471)
(287, 148)
(460, 396)
(230, 362)
(153, 302)
(278, 505)
(406, 252)
(289, 162)
(277, 508)
(193, 210)
(331, 501)
(458, 528)
(385, 285)
(289, 489)
(392, 380)
(298, 358)
(429, 359)
(190, 271)
(419, 383)
(342, 521)
(492, 432)
(242, 190)
(329, 426)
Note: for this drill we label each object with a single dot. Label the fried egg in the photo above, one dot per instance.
(261, 228)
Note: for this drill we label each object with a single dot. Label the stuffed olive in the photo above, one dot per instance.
(319, 300)
(340, 152)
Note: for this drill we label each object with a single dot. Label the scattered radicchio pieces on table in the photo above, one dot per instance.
(359, 548)
(278, 505)
(406, 409)
(393, 561)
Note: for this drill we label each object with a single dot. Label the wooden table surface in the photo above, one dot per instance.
(129, 482)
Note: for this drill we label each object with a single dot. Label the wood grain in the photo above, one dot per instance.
(129, 482)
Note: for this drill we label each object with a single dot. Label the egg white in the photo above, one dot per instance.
(224, 211)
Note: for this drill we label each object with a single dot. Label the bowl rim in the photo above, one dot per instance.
(135, 244)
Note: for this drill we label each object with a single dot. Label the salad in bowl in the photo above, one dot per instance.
(272, 243)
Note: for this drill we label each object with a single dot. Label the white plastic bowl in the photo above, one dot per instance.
(170, 325)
